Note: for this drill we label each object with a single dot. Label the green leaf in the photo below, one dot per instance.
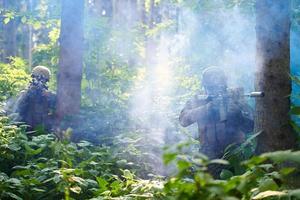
(266, 194)
(287, 170)
(295, 126)
(14, 181)
(6, 20)
(116, 186)
(295, 193)
(38, 190)
(3, 177)
(230, 198)
(36, 25)
(144, 196)
(56, 179)
(84, 144)
(281, 156)
(255, 160)
(76, 189)
(219, 161)
(267, 184)
(182, 165)
(296, 79)
(127, 174)
(31, 151)
(102, 183)
(14, 147)
(169, 157)
(13, 196)
(23, 19)
(226, 174)
(76, 179)
(295, 110)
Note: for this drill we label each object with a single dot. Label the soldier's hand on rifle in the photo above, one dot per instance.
(213, 106)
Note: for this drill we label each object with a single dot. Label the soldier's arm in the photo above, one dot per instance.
(242, 110)
(22, 105)
(51, 98)
(194, 110)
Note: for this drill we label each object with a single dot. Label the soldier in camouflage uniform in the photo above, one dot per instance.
(222, 120)
(36, 104)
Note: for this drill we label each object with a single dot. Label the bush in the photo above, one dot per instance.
(14, 77)
(267, 176)
(41, 167)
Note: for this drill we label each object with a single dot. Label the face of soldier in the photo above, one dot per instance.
(214, 81)
(216, 86)
(215, 89)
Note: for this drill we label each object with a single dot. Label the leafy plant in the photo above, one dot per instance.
(41, 167)
(266, 177)
(14, 77)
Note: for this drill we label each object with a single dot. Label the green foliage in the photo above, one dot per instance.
(47, 53)
(14, 77)
(41, 167)
(295, 109)
(266, 177)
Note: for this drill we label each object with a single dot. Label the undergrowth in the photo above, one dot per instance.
(42, 167)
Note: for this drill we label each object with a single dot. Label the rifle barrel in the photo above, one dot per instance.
(255, 94)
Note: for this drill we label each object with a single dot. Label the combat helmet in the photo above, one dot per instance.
(213, 76)
(42, 72)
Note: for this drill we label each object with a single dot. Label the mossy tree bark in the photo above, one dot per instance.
(70, 58)
(272, 77)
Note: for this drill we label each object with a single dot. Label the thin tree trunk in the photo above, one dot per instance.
(26, 35)
(272, 77)
(71, 58)
(1, 33)
(108, 6)
(150, 43)
(30, 35)
(10, 34)
(142, 12)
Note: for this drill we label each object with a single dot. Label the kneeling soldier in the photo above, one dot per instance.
(36, 104)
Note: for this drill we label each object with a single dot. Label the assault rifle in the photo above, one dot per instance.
(39, 83)
(232, 95)
(223, 99)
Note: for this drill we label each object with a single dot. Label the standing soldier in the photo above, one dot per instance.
(36, 104)
(223, 117)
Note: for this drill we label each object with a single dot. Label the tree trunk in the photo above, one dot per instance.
(10, 33)
(272, 77)
(151, 42)
(30, 36)
(26, 35)
(71, 58)
(1, 33)
(108, 7)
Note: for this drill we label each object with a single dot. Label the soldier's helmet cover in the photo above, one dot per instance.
(41, 71)
(214, 76)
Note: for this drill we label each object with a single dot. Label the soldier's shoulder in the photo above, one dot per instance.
(235, 90)
(22, 94)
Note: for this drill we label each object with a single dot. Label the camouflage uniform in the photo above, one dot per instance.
(215, 131)
(35, 106)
